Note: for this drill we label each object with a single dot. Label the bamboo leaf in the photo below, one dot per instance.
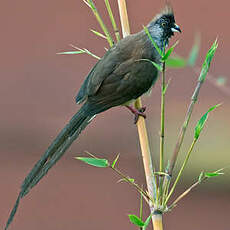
(214, 174)
(159, 67)
(72, 52)
(169, 51)
(200, 124)
(101, 163)
(147, 222)
(126, 180)
(136, 220)
(98, 34)
(207, 62)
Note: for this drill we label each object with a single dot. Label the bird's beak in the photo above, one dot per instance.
(176, 28)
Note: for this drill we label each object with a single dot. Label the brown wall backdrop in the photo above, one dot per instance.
(37, 98)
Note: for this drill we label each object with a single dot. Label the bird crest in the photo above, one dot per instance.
(167, 10)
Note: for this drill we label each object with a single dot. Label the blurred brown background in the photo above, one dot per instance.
(37, 98)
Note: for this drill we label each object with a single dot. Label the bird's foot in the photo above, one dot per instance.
(137, 112)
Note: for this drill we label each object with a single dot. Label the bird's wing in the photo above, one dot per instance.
(98, 73)
(128, 81)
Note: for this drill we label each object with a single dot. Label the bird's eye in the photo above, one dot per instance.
(163, 24)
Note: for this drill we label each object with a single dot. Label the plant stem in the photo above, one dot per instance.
(110, 12)
(157, 221)
(181, 170)
(141, 126)
(127, 179)
(184, 127)
(162, 120)
(100, 21)
(124, 17)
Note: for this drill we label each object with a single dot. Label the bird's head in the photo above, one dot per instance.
(163, 26)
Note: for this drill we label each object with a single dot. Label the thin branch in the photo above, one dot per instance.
(181, 170)
(110, 12)
(100, 21)
(184, 127)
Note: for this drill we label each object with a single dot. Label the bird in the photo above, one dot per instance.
(121, 76)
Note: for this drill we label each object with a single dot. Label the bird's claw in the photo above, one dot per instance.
(137, 113)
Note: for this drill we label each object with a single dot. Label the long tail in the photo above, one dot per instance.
(54, 152)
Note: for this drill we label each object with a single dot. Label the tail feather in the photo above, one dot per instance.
(54, 152)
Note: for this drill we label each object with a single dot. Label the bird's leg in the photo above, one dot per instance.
(137, 112)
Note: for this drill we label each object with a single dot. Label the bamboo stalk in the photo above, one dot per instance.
(142, 131)
(157, 221)
(162, 120)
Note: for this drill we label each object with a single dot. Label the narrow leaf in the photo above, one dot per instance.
(147, 222)
(153, 42)
(207, 62)
(98, 34)
(125, 180)
(72, 52)
(175, 62)
(101, 163)
(215, 174)
(169, 51)
(159, 67)
(115, 161)
(194, 52)
(136, 220)
(141, 205)
(200, 124)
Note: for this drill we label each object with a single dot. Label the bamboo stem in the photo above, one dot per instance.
(141, 126)
(162, 120)
(124, 18)
(157, 221)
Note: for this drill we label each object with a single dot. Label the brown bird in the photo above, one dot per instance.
(121, 76)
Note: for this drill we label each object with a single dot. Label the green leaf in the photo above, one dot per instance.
(159, 67)
(147, 222)
(200, 124)
(136, 220)
(214, 174)
(169, 51)
(115, 161)
(153, 42)
(98, 34)
(207, 62)
(101, 163)
(72, 52)
(175, 62)
(125, 180)
(194, 52)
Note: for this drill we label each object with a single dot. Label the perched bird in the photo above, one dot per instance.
(121, 76)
